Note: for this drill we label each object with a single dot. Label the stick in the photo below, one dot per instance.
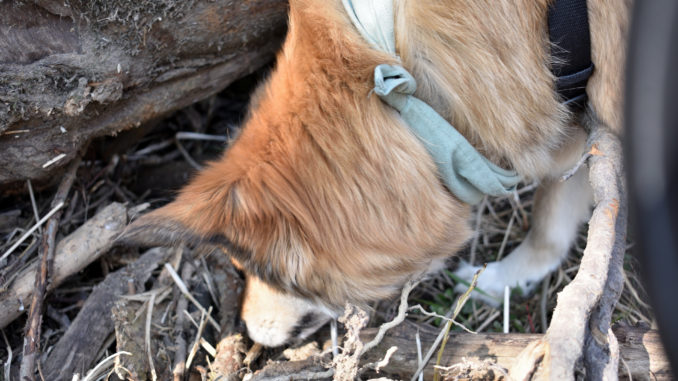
(579, 163)
(584, 307)
(77, 349)
(73, 253)
(196, 342)
(149, 318)
(460, 303)
(179, 328)
(33, 203)
(30, 231)
(105, 363)
(32, 339)
(402, 313)
(8, 364)
(228, 360)
(184, 290)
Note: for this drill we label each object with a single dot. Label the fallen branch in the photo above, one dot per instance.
(180, 327)
(48, 244)
(184, 290)
(73, 253)
(77, 349)
(601, 353)
(580, 325)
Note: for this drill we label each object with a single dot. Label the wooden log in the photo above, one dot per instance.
(77, 349)
(640, 348)
(73, 253)
(72, 72)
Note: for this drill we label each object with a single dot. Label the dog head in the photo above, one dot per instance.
(299, 272)
(325, 198)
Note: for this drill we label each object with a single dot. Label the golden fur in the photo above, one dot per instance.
(328, 196)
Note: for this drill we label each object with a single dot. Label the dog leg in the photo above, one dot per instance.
(558, 210)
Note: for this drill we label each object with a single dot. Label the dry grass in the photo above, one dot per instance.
(502, 223)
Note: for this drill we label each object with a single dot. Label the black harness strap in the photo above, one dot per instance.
(568, 23)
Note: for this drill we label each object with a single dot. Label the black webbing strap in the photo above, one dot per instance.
(571, 46)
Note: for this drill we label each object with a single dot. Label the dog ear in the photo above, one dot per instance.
(164, 227)
(204, 213)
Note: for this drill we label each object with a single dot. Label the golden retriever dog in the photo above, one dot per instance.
(327, 197)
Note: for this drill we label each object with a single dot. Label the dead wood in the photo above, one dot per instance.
(129, 337)
(73, 253)
(640, 348)
(579, 339)
(47, 247)
(77, 349)
(180, 327)
(228, 361)
(608, 181)
(313, 368)
(229, 288)
(76, 70)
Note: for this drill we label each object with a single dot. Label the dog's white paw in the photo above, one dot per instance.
(491, 282)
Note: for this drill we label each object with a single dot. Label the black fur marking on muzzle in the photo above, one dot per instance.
(307, 321)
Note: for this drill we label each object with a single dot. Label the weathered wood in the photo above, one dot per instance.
(77, 349)
(91, 68)
(640, 349)
(180, 327)
(47, 248)
(607, 178)
(73, 253)
(231, 347)
(228, 361)
(229, 288)
(579, 339)
(129, 337)
(641, 354)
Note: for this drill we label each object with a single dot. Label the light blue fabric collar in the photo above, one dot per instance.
(465, 172)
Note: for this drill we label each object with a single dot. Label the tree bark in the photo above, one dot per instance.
(73, 71)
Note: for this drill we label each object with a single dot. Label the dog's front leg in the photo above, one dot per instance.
(559, 208)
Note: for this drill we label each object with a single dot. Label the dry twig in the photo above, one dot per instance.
(400, 317)
(184, 290)
(180, 326)
(147, 335)
(32, 339)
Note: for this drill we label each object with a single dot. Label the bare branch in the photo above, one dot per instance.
(581, 321)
